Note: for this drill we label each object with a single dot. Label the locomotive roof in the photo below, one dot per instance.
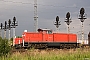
(46, 29)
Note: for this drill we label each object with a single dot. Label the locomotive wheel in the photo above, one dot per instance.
(38, 46)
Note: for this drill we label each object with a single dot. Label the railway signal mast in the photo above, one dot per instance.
(82, 18)
(1, 30)
(9, 27)
(89, 39)
(5, 28)
(14, 24)
(57, 23)
(35, 16)
(68, 20)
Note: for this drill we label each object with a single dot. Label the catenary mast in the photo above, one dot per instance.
(35, 16)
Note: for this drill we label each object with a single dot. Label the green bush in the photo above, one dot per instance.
(4, 47)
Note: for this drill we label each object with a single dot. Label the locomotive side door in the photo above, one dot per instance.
(47, 36)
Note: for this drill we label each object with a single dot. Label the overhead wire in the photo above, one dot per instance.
(27, 3)
(16, 2)
(55, 6)
(43, 4)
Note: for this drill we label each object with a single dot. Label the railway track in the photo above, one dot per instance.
(18, 50)
(47, 49)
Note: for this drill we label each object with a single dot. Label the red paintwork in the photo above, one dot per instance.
(45, 37)
(32, 37)
(55, 37)
(18, 40)
(72, 38)
(60, 37)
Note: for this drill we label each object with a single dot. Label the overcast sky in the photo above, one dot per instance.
(23, 10)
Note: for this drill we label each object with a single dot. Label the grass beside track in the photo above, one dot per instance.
(55, 54)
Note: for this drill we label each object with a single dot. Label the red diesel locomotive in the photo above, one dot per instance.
(45, 38)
